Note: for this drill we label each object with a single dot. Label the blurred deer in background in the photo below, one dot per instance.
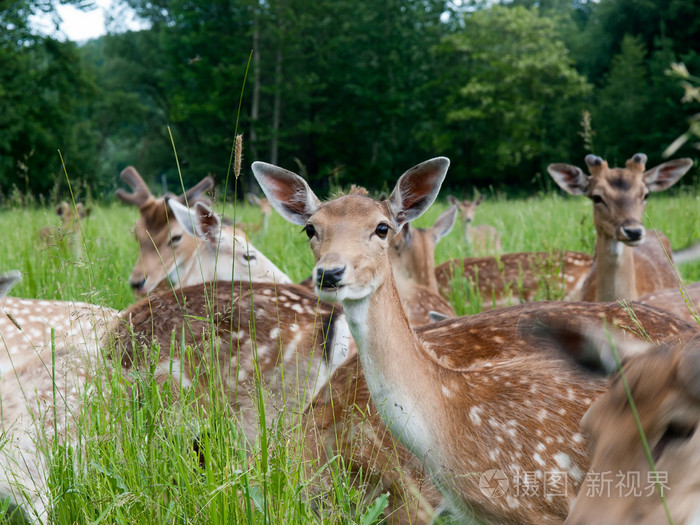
(64, 235)
(484, 238)
(263, 205)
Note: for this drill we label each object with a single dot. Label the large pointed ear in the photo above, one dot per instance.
(667, 174)
(199, 221)
(8, 280)
(444, 224)
(417, 189)
(569, 178)
(591, 347)
(287, 192)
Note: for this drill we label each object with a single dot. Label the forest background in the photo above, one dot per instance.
(343, 91)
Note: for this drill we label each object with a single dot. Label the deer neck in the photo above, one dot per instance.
(398, 373)
(615, 277)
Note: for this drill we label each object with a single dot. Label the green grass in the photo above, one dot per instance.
(134, 460)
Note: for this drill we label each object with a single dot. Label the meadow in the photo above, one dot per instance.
(134, 460)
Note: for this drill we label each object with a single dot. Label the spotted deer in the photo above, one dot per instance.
(681, 301)
(627, 262)
(64, 235)
(512, 278)
(169, 257)
(664, 382)
(223, 252)
(483, 238)
(466, 396)
(42, 384)
(248, 332)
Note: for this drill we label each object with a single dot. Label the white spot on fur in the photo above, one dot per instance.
(563, 460)
(475, 415)
(536, 456)
(447, 392)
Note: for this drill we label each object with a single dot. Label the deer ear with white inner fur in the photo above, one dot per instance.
(667, 174)
(569, 178)
(417, 189)
(287, 192)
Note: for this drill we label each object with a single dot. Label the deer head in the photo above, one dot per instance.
(163, 244)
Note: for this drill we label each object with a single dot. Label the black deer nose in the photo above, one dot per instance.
(633, 234)
(329, 277)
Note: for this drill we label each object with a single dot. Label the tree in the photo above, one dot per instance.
(515, 75)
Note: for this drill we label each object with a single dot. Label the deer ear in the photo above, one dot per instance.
(569, 178)
(667, 174)
(590, 347)
(287, 192)
(417, 189)
(444, 223)
(8, 280)
(183, 215)
(452, 200)
(207, 223)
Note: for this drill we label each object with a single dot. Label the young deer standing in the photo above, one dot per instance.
(483, 238)
(169, 255)
(466, 396)
(626, 264)
(664, 382)
(64, 235)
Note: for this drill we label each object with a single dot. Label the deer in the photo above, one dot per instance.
(510, 278)
(64, 234)
(223, 252)
(42, 384)
(251, 332)
(627, 262)
(169, 255)
(625, 484)
(483, 238)
(466, 396)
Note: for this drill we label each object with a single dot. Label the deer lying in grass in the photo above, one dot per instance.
(169, 255)
(517, 277)
(483, 238)
(41, 388)
(626, 265)
(440, 390)
(232, 328)
(223, 252)
(63, 235)
(664, 381)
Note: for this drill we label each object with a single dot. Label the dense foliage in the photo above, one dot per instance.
(343, 90)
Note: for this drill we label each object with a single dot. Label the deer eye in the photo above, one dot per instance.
(675, 433)
(382, 230)
(597, 199)
(175, 239)
(248, 257)
(646, 196)
(310, 230)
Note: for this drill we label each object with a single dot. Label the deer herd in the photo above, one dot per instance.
(581, 410)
